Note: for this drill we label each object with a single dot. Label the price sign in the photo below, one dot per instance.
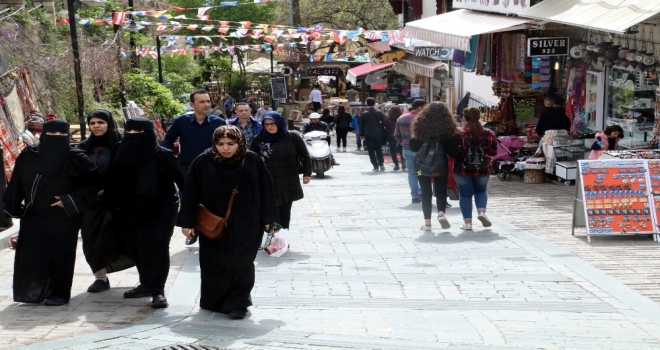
(539, 47)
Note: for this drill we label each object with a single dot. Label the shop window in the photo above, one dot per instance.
(409, 13)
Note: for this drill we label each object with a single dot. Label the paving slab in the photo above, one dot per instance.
(360, 275)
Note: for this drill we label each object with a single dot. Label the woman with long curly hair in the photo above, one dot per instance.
(474, 183)
(435, 125)
(395, 148)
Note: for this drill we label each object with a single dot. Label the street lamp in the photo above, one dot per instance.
(76, 68)
(133, 27)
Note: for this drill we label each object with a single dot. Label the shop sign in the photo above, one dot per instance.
(331, 71)
(538, 47)
(414, 90)
(503, 6)
(435, 52)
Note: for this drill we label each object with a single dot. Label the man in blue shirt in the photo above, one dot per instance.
(228, 104)
(194, 130)
(244, 121)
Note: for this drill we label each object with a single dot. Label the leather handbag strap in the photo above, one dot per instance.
(233, 195)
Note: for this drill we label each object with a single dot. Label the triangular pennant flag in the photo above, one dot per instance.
(223, 30)
(224, 24)
(246, 24)
(179, 9)
(201, 11)
(192, 27)
(208, 28)
(181, 17)
(118, 18)
(190, 40)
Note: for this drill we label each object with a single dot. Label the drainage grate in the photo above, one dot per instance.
(332, 215)
(189, 347)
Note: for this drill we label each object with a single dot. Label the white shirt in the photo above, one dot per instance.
(315, 96)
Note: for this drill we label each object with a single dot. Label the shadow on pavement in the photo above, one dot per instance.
(447, 238)
(263, 260)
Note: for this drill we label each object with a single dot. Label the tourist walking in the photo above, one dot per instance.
(143, 200)
(395, 148)
(244, 121)
(227, 264)
(282, 150)
(316, 98)
(99, 242)
(472, 179)
(228, 103)
(355, 124)
(265, 108)
(343, 124)
(402, 135)
(372, 130)
(50, 188)
(194, 131)
(435, 136)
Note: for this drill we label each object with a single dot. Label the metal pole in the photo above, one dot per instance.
(76, 68)
(120, 70)
(160, 67)
(272, 71)
(131, 43)
(291, 13)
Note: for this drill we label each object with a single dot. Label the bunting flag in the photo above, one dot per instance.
(118, 18)
(201, 13)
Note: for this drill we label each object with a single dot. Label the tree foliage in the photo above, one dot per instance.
(339, 14)
(147, 92)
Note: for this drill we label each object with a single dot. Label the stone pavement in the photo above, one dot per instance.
(362, 276)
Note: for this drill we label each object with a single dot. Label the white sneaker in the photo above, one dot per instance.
(343, 149)
(426, 228)
(444, 223)
(466, 227)
(337, 149)
(484, 220)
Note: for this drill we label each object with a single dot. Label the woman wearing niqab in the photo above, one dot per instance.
(227, 264)
(50, 188)
(141, 196)
(99, 239)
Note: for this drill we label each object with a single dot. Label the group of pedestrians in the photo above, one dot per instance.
(127, 193)
(433, 126)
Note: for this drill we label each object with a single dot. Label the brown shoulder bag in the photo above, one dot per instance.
(211, 225)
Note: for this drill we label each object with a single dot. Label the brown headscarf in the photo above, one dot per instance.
(233, 133)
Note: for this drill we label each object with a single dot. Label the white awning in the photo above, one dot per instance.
(422, 65)
(454, 29)
(365, 69)
(606, 15)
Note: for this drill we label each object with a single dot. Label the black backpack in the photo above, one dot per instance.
(475, 159)
(430, 160)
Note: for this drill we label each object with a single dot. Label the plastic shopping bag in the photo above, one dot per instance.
(276, 244)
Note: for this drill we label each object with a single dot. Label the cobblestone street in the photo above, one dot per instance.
(361, 275)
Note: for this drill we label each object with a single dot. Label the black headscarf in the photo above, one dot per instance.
(233, 133)
(54, 150)
(138, 148)
(281, 133)
(136, 163)
(111, 137)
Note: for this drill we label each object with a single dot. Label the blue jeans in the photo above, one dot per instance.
(472, 186)
(409, 158)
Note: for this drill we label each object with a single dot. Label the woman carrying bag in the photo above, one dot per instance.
(284, 152)
(227, 263)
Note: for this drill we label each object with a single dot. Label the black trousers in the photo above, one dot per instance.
(440, 183)
(395, 148)
(151, 244)
(285, 214)
(375, 151)
(341, 136)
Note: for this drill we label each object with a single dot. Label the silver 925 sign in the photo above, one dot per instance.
(538, 47)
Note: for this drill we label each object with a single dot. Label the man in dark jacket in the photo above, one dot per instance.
(372, 127)
(553, 118)
(248, 124)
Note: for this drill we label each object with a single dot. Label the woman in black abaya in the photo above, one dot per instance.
(98, 236)
(141, 196)
(56, 183)
(227, 264)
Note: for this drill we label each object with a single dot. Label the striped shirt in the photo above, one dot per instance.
(402, 132)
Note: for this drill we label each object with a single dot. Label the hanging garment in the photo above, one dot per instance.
(507, 53)
(470, 57)
(13, 103)
(487, 59)
(481, 53)
(520, 46)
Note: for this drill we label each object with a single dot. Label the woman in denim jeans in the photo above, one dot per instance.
(474, 183)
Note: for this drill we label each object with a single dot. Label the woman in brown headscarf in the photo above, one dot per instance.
(227, 264)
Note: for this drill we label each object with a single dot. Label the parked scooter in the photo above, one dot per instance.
(319, 152)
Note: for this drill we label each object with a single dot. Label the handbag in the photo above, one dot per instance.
(211, 225)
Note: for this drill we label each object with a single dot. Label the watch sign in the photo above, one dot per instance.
(539, 47)
(331, 71)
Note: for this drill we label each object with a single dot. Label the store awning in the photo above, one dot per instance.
(454, 29)
(422, 65)
(606, 15)
(365, 69)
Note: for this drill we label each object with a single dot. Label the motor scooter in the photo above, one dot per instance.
(319, 152)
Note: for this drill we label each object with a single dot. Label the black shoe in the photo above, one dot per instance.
(449, 205)
(237, 314)
(99, 286)
(137, 292)
(191, 241)
(403, 167)
(158, 301)
(416, 200)
(55, 301)
(396, 167)
(375, 170)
